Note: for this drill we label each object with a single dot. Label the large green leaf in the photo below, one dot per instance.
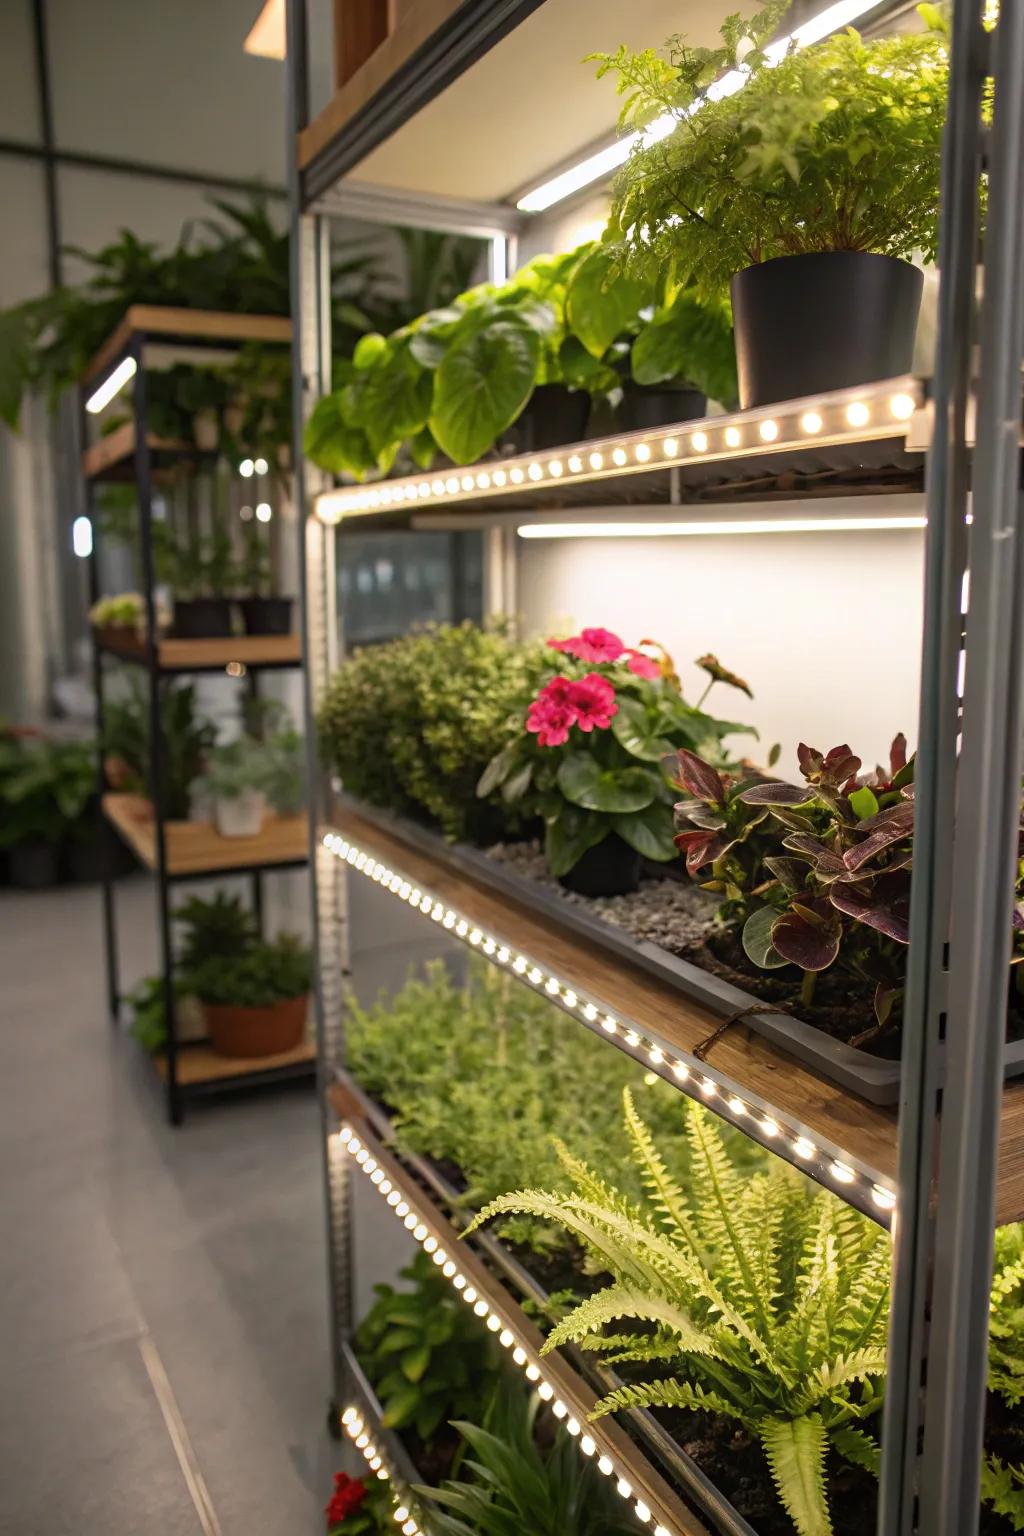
(618, 790)
(599, 305)
(391, 400)
(650, 832)
(796, 1454)
(688, 341)
(757, 939)
(569, 835)
(481, 387)
(631, 728)
(334, 446)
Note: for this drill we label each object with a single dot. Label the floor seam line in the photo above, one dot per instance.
(178, 1434)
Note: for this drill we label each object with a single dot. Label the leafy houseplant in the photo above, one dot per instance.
(428, 1358)
(187, 738)
(810, 187)
(1002, 1473)
(46, 789)
(766, 1300)
(255, 999)
(587, 761)
(236, 781)
(412, 724)
(125, 612)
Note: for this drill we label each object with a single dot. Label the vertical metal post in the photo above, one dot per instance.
(311, 370)
(157, 786)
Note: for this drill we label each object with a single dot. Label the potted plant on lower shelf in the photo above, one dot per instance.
(809, 188)
(587, 760)
(255, 1000)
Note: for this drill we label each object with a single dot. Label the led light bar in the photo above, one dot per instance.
(867, 414)
(597, 166)
(722, 528)
(112, 385)
(441, 1242)
(833, 1168)
(355, 1427)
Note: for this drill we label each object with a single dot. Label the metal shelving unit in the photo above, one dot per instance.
(176, 851)
(949, 1165)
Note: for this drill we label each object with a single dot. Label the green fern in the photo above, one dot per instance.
(768, 1299)
(1006, 1317)
(1002, 1487)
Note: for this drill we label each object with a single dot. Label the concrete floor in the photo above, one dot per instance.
(163, 1316)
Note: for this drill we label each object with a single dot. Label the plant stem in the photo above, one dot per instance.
(704, 695)
(807, 988)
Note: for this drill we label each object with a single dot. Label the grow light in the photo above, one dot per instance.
(601, 164)
(420, 1221)
(830, 1166)
(869, 413)
(112, 385)
(723, 527)
(355, 1427)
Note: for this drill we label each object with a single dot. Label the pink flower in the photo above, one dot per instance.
(551, 714)
(593, 701)
(591, 645)
(642, 665)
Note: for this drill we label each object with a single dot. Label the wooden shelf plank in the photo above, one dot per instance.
(202, 324)
(858, 1134)
(611, 1439)
(196, 848)
(118, 447)
(206, 655)
(199, 1064)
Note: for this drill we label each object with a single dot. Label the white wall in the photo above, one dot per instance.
(825, 627)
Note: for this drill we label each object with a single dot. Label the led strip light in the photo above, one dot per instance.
(697, 1079)
(354, 1425)
(860, 415)
(425, 1228)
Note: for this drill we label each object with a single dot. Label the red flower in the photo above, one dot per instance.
(593, 701)
(591, 645)
(551, 713)
(349, 1493)
(642, 665)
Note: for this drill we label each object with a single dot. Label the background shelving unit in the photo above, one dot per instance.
(175, 851)
(951, 1162)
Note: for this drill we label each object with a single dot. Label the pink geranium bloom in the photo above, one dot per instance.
(551, 714)
(642, 665)
(591, 645)
(593, 700)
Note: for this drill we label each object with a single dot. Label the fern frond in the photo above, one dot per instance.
(1002, 1487)
(857, 1447)
(592, 1187)
(620, 1347)
(828, 1379)
(669, 1394)
(617, 1302)
(576, 1216)
(795, 1449)
(666, 1195)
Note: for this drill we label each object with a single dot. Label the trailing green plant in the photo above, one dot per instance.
(453, 1060)
(262, 974)
(514, 1481)
(412, 724)
(428, 1358)
(46, 789)
(835, 146)
(188, 738)
(765, 1298)
(586, 757)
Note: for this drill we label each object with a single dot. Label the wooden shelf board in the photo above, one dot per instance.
(117, 448)
(196, 848)
(207, 655)
(577, 1394)
(865, 1133)
(203, 324)
(200, 1064)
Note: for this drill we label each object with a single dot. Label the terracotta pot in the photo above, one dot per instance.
(253, 1032)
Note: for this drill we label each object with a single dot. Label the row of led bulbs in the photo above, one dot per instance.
(355, 1427)
(592, 1013)
(857, 415)
(482, 1309)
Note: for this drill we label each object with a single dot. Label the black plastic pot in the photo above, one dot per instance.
(645, 406)
(267, 615)
(554, 416)
(202, 618)
(610, 869)
(34, 865)
(806, 324)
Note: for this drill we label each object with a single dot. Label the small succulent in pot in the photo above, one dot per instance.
(586, 759)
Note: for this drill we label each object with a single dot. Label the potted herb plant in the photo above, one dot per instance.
(807, 191)
(236, 781)
(255, 1000)
(201, 571)
(262, 613)
(285, 759)
(586, 761)
(119, 617)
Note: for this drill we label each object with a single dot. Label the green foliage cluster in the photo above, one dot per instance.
(257, 976)
(511, 1484)
(427, 1357)
(411, 725)
(188, 739)
(836, 146)
(453, 1062)
(45, 788)
(767, 1299)
(1002, 1483)
(124, 610)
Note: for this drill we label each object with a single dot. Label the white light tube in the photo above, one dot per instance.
(599, 165)
(111, 385)
(743, 526)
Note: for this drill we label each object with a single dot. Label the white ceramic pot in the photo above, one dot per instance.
(206, 430)
(241, 816)
(200, 804)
